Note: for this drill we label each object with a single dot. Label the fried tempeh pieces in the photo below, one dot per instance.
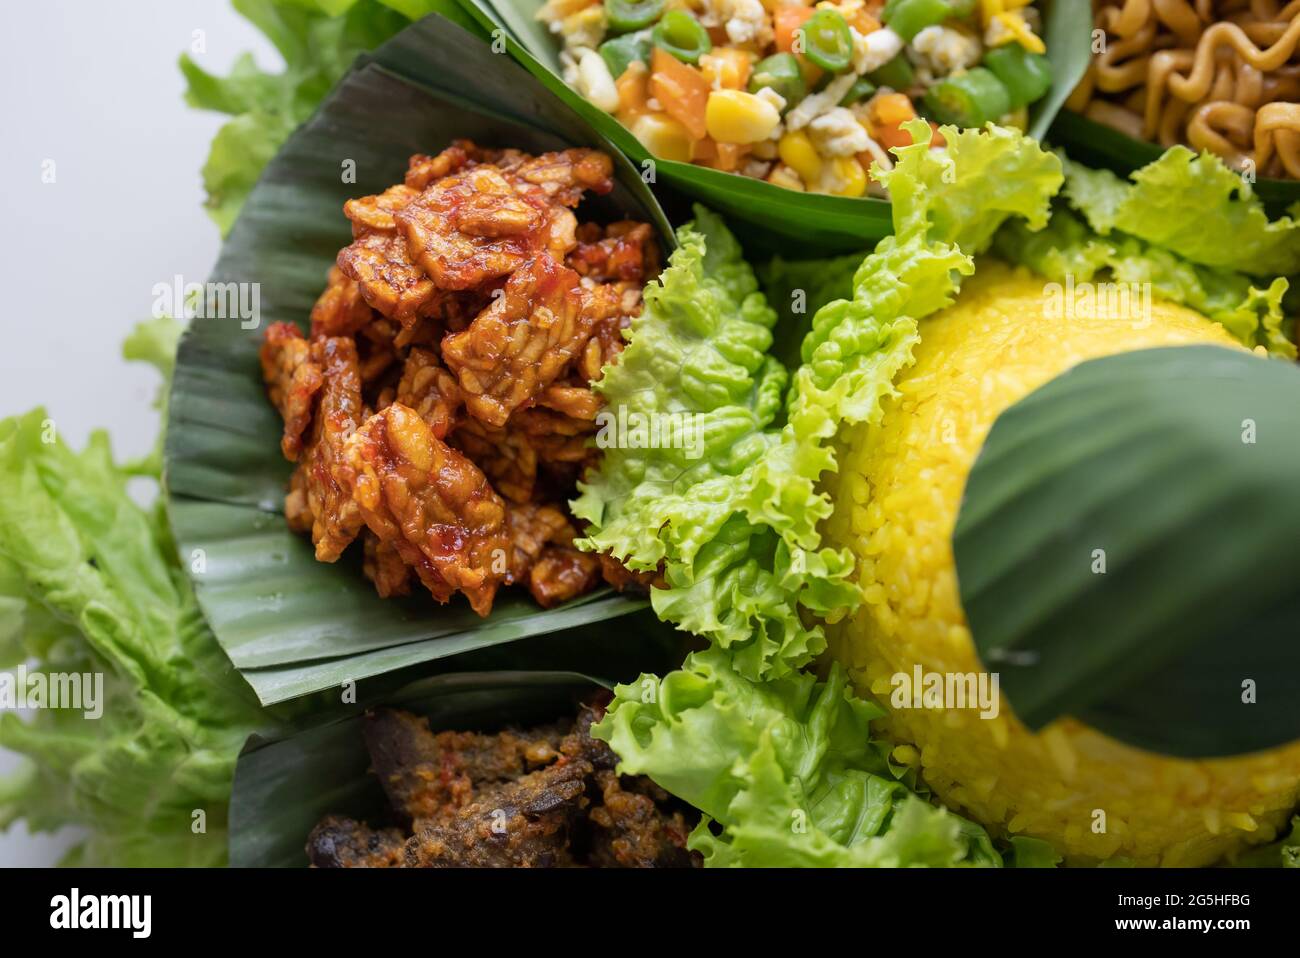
(292, 381)
(430, 503)
(526, 339)
(316, 501)
(459, 221)
(431, 391)
(471, 298)
(535, 444)
(383, 565)
(562, 573)
(542, 555)
(486, 221)
(377, 259)
(341, 310)
(623, 252)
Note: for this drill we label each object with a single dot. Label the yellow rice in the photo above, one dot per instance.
(896, 503)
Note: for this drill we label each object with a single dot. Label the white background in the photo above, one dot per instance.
(93, 85)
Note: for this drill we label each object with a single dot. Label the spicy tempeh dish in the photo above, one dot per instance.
(542, 798)
(440, 407)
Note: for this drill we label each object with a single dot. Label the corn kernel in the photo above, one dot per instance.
(733, 116)
(797, 152)
(663, 136)
(848, 177)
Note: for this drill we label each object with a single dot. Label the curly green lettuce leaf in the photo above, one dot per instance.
(1069, 249)
(785, 771)
(947, 206)
(318, 39)
(698, 356)
(733, 523)
(961, 194)
(89, 583)
(958, 197)
(154, 342)
(782, 764)
(1193, 206)
(797, 289)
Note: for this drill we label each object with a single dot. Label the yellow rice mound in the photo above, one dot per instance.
(896, 503)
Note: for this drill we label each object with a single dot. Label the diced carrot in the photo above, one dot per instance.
(720, 156)
(785, 21)
(891, 109)
(891, 136)
(633, 90)
(887, 115)
(681, 90)
(730, 155)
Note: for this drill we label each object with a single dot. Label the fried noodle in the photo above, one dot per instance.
(1216, 75)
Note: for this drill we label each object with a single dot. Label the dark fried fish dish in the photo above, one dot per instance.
(544, 797)
(441, 406)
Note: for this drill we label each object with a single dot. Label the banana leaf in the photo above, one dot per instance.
(776, 220)
(1127, 549)
(1096, 144)
(284, 787)
(290, 624)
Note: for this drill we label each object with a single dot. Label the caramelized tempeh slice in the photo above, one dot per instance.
(388, 280)
(527, 338)
(563, 176)
(562, 573)
(430, 503)
(341, 310)
(384, 567)
(335, 519)
(430, 390)
(485, 221)
(532, 528)
(621, 252)
(292, 381)
(542, 555)
(532, 441)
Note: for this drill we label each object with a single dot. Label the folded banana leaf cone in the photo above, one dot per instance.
(283, 788)
(290, 624)
(776, 219)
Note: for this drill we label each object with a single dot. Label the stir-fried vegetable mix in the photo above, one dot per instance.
(806, 96)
